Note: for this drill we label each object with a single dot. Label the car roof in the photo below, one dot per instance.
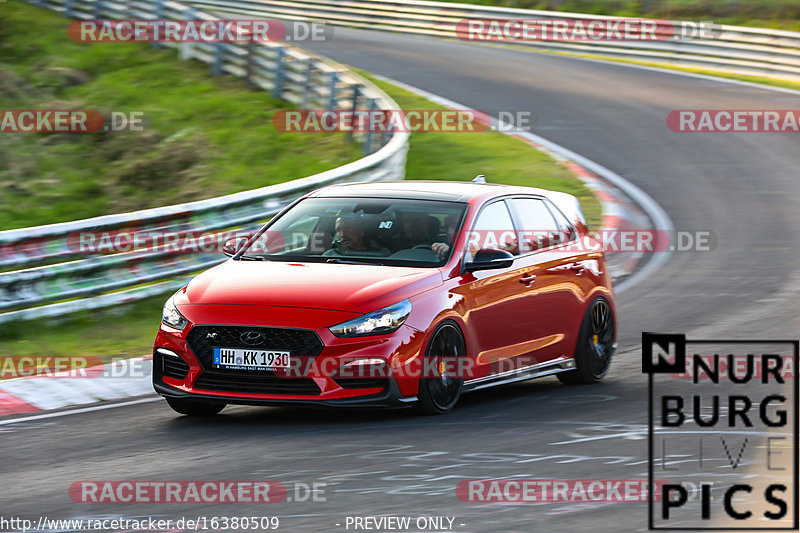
(453, 191)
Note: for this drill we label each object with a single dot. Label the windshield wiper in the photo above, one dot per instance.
(350, 262)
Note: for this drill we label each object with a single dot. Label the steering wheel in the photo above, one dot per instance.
(422, 247)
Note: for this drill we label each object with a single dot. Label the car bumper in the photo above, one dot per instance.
(395, 386)
(389, 397)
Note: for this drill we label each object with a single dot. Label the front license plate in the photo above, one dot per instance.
(247, 359)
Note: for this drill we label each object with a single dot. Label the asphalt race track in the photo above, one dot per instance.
(745, 188)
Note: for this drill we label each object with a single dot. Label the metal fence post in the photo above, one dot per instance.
(387, 134)
(307, 84)
(186, 48)
(277, 90)
(332, 100)
(158, 10)
(368, 140)
(95, 12)
(68, 8)
(219, 56)
(354, 107)
(250, 65)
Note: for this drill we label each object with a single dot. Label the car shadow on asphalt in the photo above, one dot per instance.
(505, 403)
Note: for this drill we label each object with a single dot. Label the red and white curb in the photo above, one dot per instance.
(113, 381)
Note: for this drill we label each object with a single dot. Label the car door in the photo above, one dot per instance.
(553, 296)
(494, 297)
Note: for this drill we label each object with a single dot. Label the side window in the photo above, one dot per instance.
(493, 229)
(566, 230)
(539, 228)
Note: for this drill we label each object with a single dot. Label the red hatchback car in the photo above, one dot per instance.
(391, 294)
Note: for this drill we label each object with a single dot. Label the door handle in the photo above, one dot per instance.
(527, 279)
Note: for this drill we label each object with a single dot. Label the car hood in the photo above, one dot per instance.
(343, 287)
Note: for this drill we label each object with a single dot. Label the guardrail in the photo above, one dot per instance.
(733, 49)
(70, 280)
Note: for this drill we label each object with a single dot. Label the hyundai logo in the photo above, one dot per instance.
(252, 338)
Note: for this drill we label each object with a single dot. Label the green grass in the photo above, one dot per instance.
(204, 136)
(124, 331)
(778, 14)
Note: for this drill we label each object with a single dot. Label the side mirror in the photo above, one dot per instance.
(488, 259)
(234, 244)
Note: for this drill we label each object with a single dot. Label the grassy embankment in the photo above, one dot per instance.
(203, 136)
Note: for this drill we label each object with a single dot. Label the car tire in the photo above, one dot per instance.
(594, 347)
(191, 407)
(439, 395)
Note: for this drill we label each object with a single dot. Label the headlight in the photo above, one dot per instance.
(378, 322)
(171, 316)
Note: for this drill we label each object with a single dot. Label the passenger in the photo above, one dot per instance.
(442, 248)
(419, 231)
(350, 239)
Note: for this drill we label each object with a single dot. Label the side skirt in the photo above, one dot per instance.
(562, 364)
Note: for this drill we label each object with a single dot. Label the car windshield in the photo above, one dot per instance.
(387, 231)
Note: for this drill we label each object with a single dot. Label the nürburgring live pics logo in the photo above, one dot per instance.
(723, 433)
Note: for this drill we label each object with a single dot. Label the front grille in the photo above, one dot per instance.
(362, 383)
(260, 384)
(173, 367)
(302, 344)
(203, 339)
